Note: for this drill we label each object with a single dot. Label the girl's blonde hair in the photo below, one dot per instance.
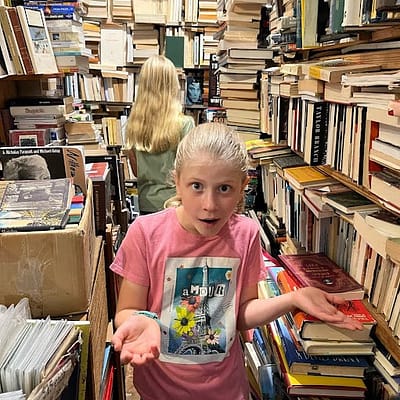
(155, 122)
(219, 142)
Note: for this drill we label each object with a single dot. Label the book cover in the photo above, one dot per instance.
(42, 162)
(332, 70)
(300, 362)
(38, 41)
(318, 270)
(29, 205)
(350, 201)
(289, 161)
(29, 137)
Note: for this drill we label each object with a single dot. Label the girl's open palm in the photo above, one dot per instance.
(138, 340)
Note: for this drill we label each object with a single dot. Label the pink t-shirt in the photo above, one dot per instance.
(195, 285)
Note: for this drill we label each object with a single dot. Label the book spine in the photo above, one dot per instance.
(11, 41)
(19, 36)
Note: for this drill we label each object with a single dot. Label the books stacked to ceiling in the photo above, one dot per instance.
(38, 120)
(240, 60)
(314, 358)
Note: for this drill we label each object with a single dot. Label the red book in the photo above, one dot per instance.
(311, 328)
(318, 270)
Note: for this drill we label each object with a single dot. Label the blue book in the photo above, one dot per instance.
(302, 363)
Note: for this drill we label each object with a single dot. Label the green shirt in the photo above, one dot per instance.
(153, 171)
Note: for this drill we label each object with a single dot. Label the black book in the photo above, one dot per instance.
(39, 101)
(291, 160)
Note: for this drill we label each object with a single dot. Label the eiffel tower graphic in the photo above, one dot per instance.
(196, 344)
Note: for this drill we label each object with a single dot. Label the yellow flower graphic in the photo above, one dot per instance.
(184, 321)
(228, 275)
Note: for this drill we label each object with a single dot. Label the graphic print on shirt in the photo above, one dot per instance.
(199, 327)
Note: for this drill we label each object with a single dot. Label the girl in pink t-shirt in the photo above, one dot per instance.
(190, 278)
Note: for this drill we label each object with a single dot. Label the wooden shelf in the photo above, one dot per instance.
(384, 333)
(352, 185)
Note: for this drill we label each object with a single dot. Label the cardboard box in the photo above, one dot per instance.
(54, 269)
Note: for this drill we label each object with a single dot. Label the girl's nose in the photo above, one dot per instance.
(209, 201)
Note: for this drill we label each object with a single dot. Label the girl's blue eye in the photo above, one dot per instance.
(196, 186)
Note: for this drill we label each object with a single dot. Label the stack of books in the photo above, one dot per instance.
(39, 120)
(314, 358)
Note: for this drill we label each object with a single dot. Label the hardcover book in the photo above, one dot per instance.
(11, 41)
(310, 328)
(21, 41)
(29, 205)
(300, 362)
(318, 270)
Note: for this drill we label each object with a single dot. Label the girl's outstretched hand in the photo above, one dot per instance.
(138, 340)
(322, 305)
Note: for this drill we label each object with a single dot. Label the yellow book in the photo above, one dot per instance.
(306, 176)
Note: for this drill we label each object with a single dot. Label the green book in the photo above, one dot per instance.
(174, 50)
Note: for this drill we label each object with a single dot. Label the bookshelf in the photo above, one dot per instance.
(348, 158)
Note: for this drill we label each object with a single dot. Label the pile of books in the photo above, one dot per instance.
(314, 358)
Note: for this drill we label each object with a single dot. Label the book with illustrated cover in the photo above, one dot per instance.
(42, 162)
(310, 328)
(318, 270)
(38, 40)
(300, 362)
(32, 205)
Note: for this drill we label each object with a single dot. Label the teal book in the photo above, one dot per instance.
(175, 50)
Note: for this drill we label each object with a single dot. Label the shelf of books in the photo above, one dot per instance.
(329, 179)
